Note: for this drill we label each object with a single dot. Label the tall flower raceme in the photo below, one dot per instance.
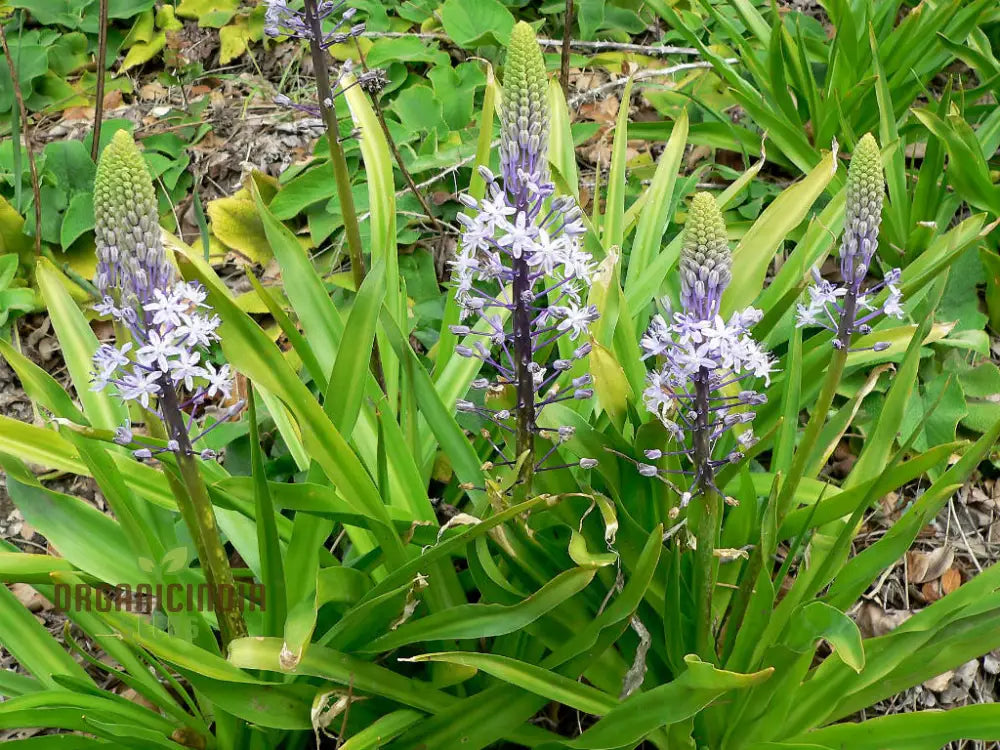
(520, 268)
(699, 391)
(846, 308)
(170, 326)
(164, 365)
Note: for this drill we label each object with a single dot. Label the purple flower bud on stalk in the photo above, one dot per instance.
(844, 309)
(282, 20)
(170, 326)
(704, 356)
(520, 258)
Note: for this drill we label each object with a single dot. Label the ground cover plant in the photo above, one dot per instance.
(539, 400)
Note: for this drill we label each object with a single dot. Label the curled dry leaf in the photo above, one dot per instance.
(951, 580)
(922, 567)
(941, 682)
(874, 621)
(30, 598)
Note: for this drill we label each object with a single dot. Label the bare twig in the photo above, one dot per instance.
(36, 191)
(567, 41)
(598, 92)
(651, 50)
(102, 53)
(961, 531)
(377, 105)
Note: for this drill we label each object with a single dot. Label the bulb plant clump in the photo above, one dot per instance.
(165, 330)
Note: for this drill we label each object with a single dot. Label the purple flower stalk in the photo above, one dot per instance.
(845, 309)
(170, 329)
(697, 392)
(283, 21)
(520, 254)
(170, 326)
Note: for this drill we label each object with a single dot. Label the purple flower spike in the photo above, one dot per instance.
(845, 309)
(520, 259)
(170, 326)
(694, 392)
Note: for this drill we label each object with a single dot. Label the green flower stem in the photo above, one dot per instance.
(196, 509)
(817, 419)
(706, 571)
(328, 110)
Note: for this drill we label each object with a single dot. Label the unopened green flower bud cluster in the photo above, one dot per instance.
(130, 258)
(705, 258)
(524, 116)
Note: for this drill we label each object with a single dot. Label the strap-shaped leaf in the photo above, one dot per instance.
(78, 344)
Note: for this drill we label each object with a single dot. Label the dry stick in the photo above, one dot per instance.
(566, 42)
(392, 143)
(102, 53)
(639, 76)
(650, 50)
(36, 191)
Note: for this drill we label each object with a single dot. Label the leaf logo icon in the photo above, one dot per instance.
(173, 561)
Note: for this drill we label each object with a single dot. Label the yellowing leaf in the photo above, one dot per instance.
(144, 51)
(610, 383)
(12, 239)
(166, 20)
(236, 223)
(233, 40)
(212, 13)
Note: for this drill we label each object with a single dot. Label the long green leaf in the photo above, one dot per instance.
(613, 232)
(78, 344)
(486, 620)
(535, 679)
(654, 217)
(350, 371)
(755, 251)
(382, 206)
(667, 704)
(922, 730)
